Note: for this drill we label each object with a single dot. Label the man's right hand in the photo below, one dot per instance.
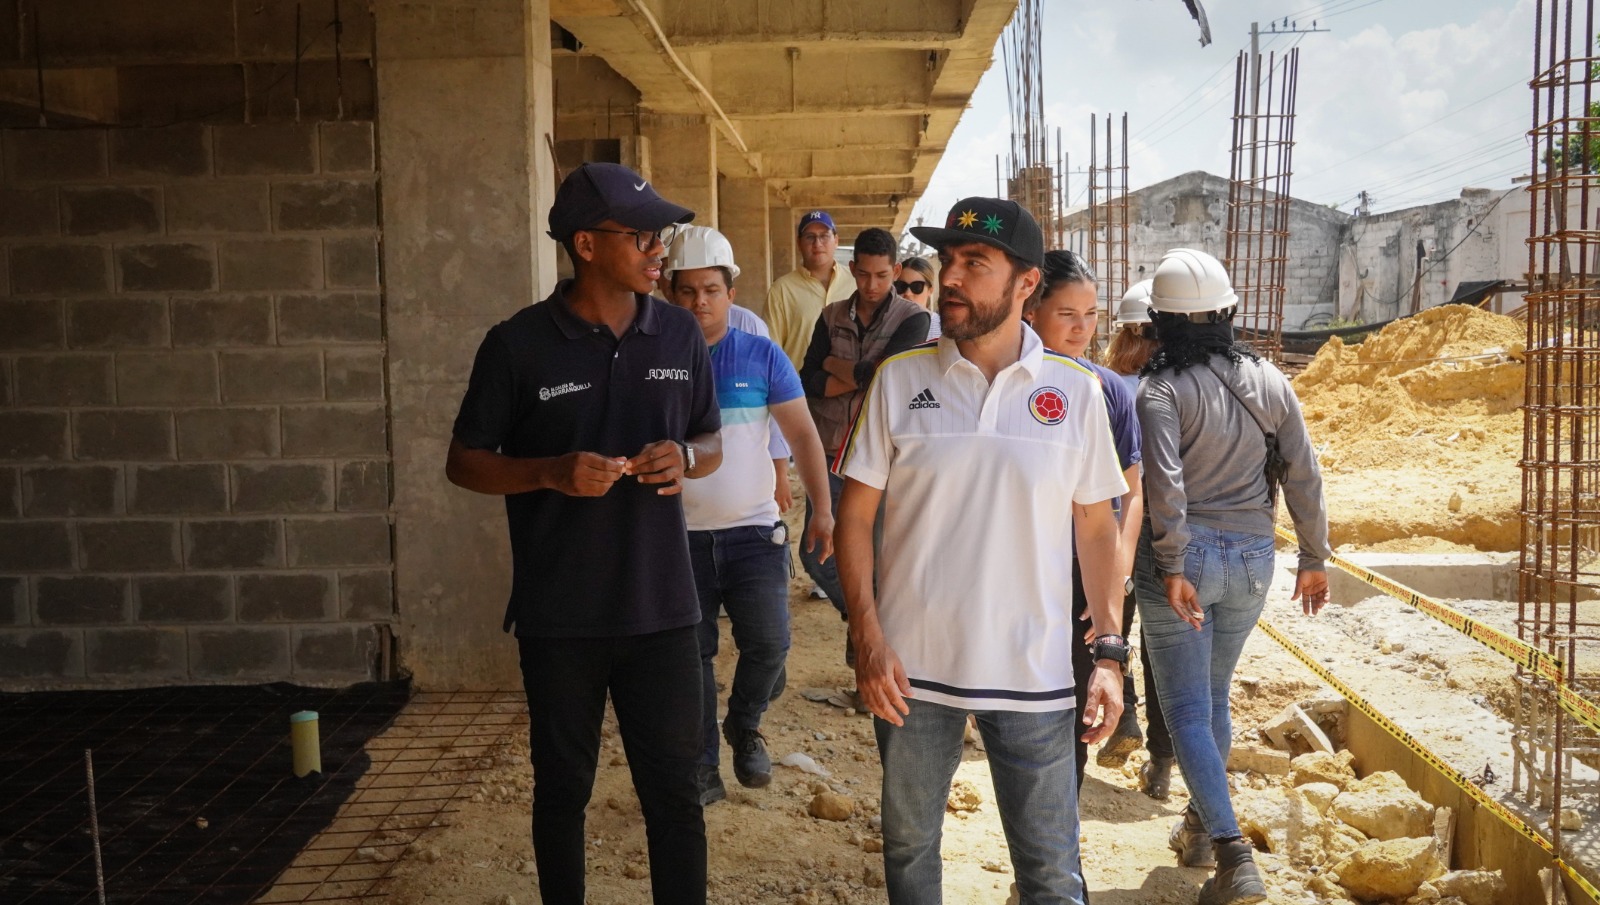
(881, 682)
(585, 473)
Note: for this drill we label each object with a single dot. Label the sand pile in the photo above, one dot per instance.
(1418, 429)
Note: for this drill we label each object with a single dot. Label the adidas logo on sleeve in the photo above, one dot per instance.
(923, 400)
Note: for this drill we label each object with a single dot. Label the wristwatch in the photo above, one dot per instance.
(688, 457)
(1110, 647)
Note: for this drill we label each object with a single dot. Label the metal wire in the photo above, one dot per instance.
(1108, 219)
(1260, 167)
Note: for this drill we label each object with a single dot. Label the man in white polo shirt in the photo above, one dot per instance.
(992, 452)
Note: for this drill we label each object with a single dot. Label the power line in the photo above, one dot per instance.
(1159, 123)
(1460, 163)
(1353, 9)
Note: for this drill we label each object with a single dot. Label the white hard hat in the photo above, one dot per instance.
(1135, 306)
(1190, 282)
(700, 246)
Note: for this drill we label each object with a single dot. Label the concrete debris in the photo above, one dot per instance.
(1246, 757)
(1335, 769)
(872, 876)
(634, 870)
(370, 854)
(1320, 794)
(1293, 730)
(528, 868)
(832, 806)
(1571, 819)
(1473, 887)
(1384, 807)
(964, 797)
(1389, 869)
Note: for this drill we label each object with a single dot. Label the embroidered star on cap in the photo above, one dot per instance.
(966, 219)
(992, 223)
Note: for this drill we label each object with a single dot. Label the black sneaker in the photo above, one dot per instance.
(751, 765)
(711, 788)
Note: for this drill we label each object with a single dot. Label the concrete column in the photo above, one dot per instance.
(683, 162)
(742, 206)
(780, 222)
(467, 184)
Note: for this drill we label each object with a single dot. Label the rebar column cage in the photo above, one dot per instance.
(1108, 218)
(1257, 239)
(1558, 589)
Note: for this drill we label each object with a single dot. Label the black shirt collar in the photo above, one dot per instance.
(646, 320)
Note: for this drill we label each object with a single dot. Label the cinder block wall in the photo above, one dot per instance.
(194, 459)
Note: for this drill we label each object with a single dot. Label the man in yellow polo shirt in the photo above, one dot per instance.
(795, 300)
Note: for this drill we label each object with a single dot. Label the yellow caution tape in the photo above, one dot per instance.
(1505, 814)
(1515, 649)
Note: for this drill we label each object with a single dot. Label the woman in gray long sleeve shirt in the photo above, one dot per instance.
(1206, 554)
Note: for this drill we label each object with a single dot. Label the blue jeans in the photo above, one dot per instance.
(742, 571)
(825, 574)
(1031, 762)
(1230, 571)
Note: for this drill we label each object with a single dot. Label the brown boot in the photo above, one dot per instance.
(1190, 840)
(1237, 880)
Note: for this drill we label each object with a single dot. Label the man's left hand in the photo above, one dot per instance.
(819, 536)
(659, 463)
(1104, 702)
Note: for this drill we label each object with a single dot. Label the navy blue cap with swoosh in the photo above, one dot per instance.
(596, 192)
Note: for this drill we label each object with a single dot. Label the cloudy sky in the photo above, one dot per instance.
(1408, 99)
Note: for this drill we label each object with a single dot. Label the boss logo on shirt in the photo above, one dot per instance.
(1048, 405)
(548, 393)
(667, 374)
(923, 400)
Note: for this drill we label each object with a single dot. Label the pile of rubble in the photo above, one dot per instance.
(1328, 836)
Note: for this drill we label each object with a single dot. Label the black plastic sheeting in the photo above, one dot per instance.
(164, 759)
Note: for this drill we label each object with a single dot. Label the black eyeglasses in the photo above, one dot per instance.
(916, 287)
(643, 239)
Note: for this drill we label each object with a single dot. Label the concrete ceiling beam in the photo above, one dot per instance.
(755, 23)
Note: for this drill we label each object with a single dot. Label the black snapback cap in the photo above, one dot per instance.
(1006, 225)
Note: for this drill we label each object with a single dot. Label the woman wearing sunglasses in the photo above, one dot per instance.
(916, 283)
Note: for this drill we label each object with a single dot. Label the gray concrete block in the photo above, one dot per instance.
(121, 323)
(285, 597)
(257, 264)
(229, 321)
(178, 489)
(80, 600)
(354, 375)
(129, 546)
(60, 269)
(181, 150)
(58, 491)
(155, 93)
(366, 596)
(166, 378)
(241, 433)
(363, 486)
(5, 383)
(320, 92)
(275, 376)
(10, 493)
(351, 262)
(14, 601)
(285, 487)
(35, 546)
(347, 147)
(122, 434)
(149, 653)
(325, 204)
(36, 655)
(356, 540)
(113, 209)
(266, 29)
(345, 317)
(108, 31)
(28, 213)
(32, 324)
(182, 598)
(32, 436)
(346, 650)
(171, 266)
(269, 149)
(217, 207)
(236, 653)
(234, 544)
(64, 380)
(54, 155)
(327, 430)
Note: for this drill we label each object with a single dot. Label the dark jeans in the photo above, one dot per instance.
(1157, 741)
(742, 571)
(825, 574)
(654, 682)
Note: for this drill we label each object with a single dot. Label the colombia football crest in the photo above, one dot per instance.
(1048, 405)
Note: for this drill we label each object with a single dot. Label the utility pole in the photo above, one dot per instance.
(1273, 28)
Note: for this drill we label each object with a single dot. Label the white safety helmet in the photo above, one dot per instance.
(1135, 306)
(699, 246)
(1191, 282)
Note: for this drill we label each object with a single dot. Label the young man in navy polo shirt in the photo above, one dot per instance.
(586, 411)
